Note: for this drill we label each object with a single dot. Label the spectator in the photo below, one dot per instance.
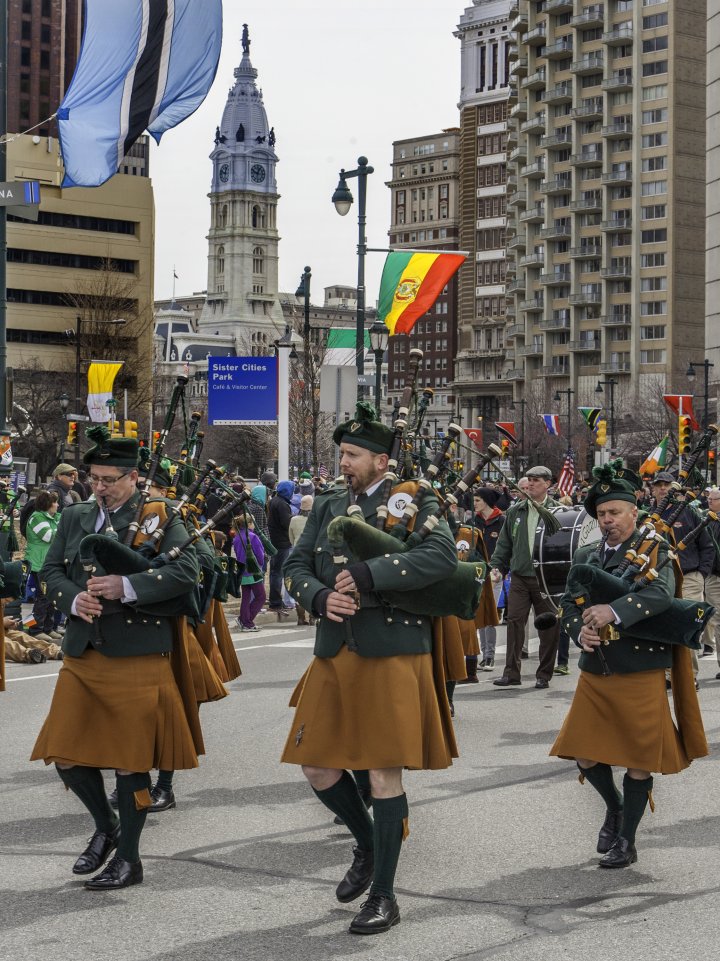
(81, 486)
(489, 520)
(257, 505)
(712, 581)
(297, 526)
(64, 477)
(279, 517)
(253, 587)
(40, 532)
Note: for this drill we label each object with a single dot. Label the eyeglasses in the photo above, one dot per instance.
(105, 481)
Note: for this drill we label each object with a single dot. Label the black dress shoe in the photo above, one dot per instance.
(97, 851)
(118, 874)
(378, 914)
(162, 800)
(717, 676)
(621, 855)
(541, 684)
(112, 799)
(609, 831)
(358, 878)
(505, 681)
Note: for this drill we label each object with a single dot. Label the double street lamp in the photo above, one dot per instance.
(611, 384)
(691, 377)
(343, 200)
(379, 336)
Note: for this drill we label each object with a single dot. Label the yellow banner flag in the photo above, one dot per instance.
(101, 377)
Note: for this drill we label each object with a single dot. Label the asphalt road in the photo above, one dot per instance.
(500, 862)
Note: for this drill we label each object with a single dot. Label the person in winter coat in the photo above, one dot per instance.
(40, 533)
(297, 526)
(253, 587)
(279, 517)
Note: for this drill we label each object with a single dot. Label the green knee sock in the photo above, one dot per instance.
(389, 815)
(601, 778)
(636, 799)
(165, 780)
(362, 779)
(344, 800)
(450, 688)
(87, 784)
(132, 818)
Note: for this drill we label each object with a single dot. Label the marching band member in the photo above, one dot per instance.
(369, 699)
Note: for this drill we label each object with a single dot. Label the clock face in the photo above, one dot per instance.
(224, 173)
(257, 173)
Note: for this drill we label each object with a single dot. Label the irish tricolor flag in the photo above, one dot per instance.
(656, 460)
(412, 280)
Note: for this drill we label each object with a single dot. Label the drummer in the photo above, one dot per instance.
(513, 553)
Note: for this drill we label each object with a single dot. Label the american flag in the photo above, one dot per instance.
(566, 481)
(323, 472)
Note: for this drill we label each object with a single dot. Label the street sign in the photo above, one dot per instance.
(76, 417)
(21, 197)
(243, 390)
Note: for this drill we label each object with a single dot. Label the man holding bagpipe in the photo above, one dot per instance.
(631, 630)
(369, 700)
(116, 703)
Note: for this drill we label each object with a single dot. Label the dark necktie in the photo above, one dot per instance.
(361, 499)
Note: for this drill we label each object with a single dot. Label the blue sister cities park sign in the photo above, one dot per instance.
(242, 390)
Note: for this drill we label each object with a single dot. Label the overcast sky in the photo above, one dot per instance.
(340, 78)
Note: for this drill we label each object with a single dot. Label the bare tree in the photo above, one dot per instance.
(37, 419)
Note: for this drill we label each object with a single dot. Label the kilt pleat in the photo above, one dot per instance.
(447, 632)
(207, 684)
(469, 638)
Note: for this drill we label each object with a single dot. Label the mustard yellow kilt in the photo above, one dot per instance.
(622, 720)
(117, 712)
(447, 633)
(370, 713)
(206, 683)
(469, 638)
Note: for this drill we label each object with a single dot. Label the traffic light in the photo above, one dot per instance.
(505, 446)
(601, 433)
(155, 439)
(684, 434)
(130, 428)
(114, 426)
(72, 437)
(711, 458)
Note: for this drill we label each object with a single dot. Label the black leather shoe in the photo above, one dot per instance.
(97, 851)
(358, 878)
(717, 676)
(609, 831)
(621, 855)
(118, 874)
(377, 914)
(541, 684)
(505, 681)
(112, 799)
(162, 800)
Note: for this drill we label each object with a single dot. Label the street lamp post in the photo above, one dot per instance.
(568, 393)
(284, 347)
(706, 398)
(611, 384)
(379, 336)
(77, 333)
(343, 199)
(523, 403)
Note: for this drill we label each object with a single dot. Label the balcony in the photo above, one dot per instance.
(534, 259)
(519, 111)
(515, 286)
(622, 176)
(558, 278)
(533, 215)
(555, 370)
(590, 17)
(558, 50)
(555, 323)
(618, 36)
(587, 158)
(536, 37)
(561, 138)
(517, 243)
(621, 269)
(518, 199)
(559, 185)
(561, 93)
(616, 320)
(520, 23)
(532, 350)
(615, 367)
(533, 124)
(588, 111)
(586, 251)
(622, 81)
(592, 203)
(511, 183)
(533, 305)
(519, 153)
(512, 50)
(519, 68)
(617, 223)
(592, 63)
(559, 6)
(621, 128)
(515, 373)
(556, 232)
(585, 346)
(586, 297)
(516, 330)
(533, 171)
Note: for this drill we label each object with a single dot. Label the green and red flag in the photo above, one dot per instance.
(412, 280)
(591, 415)
(656, 459)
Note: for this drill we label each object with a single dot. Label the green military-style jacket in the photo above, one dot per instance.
(136, 628)
(513, 552)
(627, 655)
(379, 629)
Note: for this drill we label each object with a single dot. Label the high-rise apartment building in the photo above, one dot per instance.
(606, 196)
(712, 256)
(43, 47)
(424, 202)
(479, 385)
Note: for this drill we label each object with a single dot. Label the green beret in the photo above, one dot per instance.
(112, 451)
(608, 487)
(365, 431)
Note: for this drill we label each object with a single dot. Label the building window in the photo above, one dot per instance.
(221, 260)
(653, 211)
(653, 308)
(655, 68)
(656, 356)
(652, 260)
(258, 261)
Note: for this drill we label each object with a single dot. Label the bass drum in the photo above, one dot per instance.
(553, 554)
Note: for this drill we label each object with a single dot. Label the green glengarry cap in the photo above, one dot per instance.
(608, 487)
(364, 431)
(626, 474)
(162, 477)
(112, 451)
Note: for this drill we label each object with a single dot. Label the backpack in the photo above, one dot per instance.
(26, 513)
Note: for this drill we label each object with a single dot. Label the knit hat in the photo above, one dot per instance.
(259, 494)
(488, 494)
(63, 469)
(607, 487)
(305, 475)
(111, 451)
(364, 431)
(306, 502)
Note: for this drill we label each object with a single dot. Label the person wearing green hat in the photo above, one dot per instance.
(368, 702)
(116, 703)
(620, 714)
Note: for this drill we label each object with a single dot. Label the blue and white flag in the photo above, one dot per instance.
(144, 65)
(552, 424)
